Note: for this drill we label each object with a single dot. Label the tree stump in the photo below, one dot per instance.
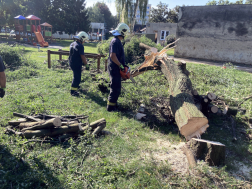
(190, 120)
(211, 152)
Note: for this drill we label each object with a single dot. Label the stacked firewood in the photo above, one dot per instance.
(52, 126)
(210, 103)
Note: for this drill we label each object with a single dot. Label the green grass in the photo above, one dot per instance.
(118, 160)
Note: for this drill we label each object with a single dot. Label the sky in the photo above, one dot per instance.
(171, 4)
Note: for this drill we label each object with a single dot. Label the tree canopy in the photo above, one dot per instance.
(100, 13)
(227, 2)
(163, 14)
(69, 16)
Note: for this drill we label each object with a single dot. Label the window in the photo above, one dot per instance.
(164, 34)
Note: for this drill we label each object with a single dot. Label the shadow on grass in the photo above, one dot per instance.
(17, 173)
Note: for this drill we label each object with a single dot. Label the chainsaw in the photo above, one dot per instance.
(125, 74)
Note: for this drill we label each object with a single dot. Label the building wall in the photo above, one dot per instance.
(221, 33)
(158, 28)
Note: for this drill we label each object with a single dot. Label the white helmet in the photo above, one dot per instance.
(121, 29)
(82, 36)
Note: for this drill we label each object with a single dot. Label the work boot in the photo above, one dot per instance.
(111, 108)
(75, 93)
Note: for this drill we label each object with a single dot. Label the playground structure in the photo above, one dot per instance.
(29, 30)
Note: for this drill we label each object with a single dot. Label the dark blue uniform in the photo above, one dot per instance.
(2, 67)
(75, 62)
(114, 70)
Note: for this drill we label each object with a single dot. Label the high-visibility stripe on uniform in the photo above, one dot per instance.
(74, 89)
(111, 103)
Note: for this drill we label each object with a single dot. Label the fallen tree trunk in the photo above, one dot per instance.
(211, 152)
(190, 120)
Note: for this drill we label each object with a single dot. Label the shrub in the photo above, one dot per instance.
(11, 55)
(170, 39)
(131, 47)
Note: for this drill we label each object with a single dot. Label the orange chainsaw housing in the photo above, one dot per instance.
(125, 74)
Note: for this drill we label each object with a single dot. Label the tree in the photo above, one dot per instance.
(69, 16)
(100, 13)
(159, 14)
(173, 15)
(226, 2)
(163, 14)
(129, 8)
(8, 10)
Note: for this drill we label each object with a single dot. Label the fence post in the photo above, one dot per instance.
(49, 58)
(60, 55)
(98, 63)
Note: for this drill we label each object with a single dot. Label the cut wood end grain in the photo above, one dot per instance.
(194, 128)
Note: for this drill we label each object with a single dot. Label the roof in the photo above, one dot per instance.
(32, 17)
(20, 17)
(46, 24)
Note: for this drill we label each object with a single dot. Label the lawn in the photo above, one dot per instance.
(137, 154)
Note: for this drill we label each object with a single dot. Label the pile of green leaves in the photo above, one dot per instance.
(131, 48)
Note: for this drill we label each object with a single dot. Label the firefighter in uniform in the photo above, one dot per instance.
(77, 59)
(116, 61)
(2, 78)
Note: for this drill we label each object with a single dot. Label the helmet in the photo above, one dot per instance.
(122, 29)
(83, 36)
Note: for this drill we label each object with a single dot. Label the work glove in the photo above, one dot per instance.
(87, 66)
(121, 67)
(2, 92)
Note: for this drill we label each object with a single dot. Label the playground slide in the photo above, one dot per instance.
(41, 40)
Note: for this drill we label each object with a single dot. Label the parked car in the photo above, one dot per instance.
(12, 33)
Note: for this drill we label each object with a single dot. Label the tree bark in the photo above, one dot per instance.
(211, 152)
(55, 122)
(190, 120)
(75, 128)
(29, 124)
(16, 123)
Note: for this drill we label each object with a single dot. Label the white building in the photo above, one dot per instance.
(146, 18)
(97, 30)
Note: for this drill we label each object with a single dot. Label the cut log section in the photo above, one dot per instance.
(55, 122)
(214, 109)
(195, 93)
(29, 124)
(211, 152)
(190, 120)
(51, 132)
(211, 96)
